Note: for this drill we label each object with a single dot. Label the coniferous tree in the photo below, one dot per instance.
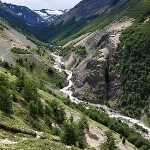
(5, 96)
(70, 133)
(110, 143)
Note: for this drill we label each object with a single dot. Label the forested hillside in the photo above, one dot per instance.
(133, 62)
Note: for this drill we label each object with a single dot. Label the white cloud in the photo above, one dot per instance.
(39, 4)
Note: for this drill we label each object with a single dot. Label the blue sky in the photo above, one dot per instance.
(50, 4)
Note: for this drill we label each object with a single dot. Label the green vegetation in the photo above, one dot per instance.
(29, 65)
(5, 95)
(70, 133)
(55, 33)
(42, 71)
(79, 50)
(32, 111)
(73, 133)
(65, 51)
(38, 144)
(20, 51)
(123, 129)
(58, 112)
(26, 105)
(132, 61)
(29, 90)
(20, 99)
(110, 143)
(62, 34)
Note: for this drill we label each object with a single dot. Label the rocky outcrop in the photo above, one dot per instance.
(94, 79)
(71, 60)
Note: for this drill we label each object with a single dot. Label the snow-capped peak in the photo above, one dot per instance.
(48, 14)
(54, 12)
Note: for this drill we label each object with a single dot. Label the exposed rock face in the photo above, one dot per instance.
(97, 71)
(88, 8)
(71, 60)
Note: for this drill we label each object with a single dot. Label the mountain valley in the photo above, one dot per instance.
(75, 79)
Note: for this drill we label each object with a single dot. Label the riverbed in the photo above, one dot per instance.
(113, 114)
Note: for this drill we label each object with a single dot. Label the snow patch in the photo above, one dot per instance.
(19, 14)
(41, 13)
(54, 12)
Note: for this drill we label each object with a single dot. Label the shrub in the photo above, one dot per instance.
(20, 51)
(70, 133)
(58, 111)
(30, 90)
(110, 143)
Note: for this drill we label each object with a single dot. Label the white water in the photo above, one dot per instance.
(113, 114)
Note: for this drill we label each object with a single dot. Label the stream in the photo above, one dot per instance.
(112, 113)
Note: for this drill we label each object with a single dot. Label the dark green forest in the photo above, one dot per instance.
(133, 62)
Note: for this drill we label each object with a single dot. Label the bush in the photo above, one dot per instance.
(50, 71)
(110, 143)
(20, 51)
(81, 50)
(30, 90)
(56, 131)
(124, 141)
(58, 111)
(83, 123)
(36, 108)
(73, 133)
(70, 133)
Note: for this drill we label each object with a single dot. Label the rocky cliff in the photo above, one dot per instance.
(94, 79)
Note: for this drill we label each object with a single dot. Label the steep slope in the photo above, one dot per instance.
(94, 77)
(27, 14)
(101, 77)
(15, 20)
(34, 114)
(89, 8)
(68, 25)
(30, 116)
(35, 17)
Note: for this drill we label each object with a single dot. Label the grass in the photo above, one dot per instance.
(21, 120)
(31, 143)
(53, 80)
(38, 144)
(40, 65)
(14, 121)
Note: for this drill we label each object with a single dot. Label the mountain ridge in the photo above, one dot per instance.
(25, 13)
(35, 17)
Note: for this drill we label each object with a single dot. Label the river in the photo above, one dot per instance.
(113, 114)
